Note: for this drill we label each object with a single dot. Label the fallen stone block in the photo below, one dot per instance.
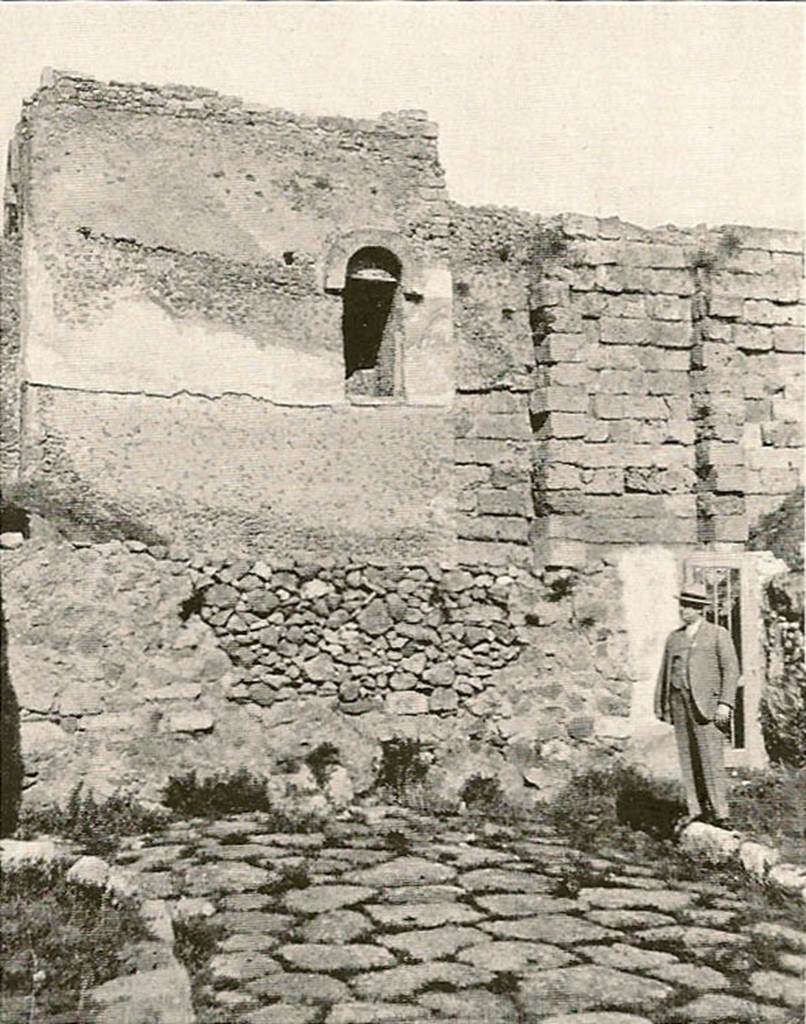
(156, 997)
(15, 852)
(716, 845)
(757, 859)
(89, 871)
(789, 877)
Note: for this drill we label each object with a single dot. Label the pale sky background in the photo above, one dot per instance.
(675, 112)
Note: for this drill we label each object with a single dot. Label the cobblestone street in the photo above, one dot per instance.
(413, 919)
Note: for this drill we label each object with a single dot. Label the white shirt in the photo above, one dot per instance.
(692, 627)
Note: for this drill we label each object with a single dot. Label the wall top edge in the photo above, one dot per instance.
(67, 86)
(63, 86)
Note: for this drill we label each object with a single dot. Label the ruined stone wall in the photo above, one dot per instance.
(670, 369)
(183, 355)
(586, 402)
(568, 383)
(10, 265)
(132, 663)
(495, 260)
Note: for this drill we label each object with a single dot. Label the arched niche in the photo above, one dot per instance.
(372, 324)
(341, 252)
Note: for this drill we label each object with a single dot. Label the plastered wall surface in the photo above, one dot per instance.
(236, 474)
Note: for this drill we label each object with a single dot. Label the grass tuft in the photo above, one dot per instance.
(98, 825)
(59, 940)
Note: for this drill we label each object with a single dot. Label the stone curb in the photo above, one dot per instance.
(763, 863)
(159, 996)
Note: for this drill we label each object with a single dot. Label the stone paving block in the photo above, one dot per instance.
(587, 987)
(500, 880)
(779, 988)
(711, 1008)
(597, 1017)
(420, 893)
(631, 920)
(207, 879)
(377, 1013)
(253, 921)
(323, 957)
(336, 926)
(525, 904)
(300, 987)
(250, 942)
(619, 899)
(421, 915)
(403, 871)
(246, 901)
(692, 937)
(407, 980)
(514, 956)
(781, 934)
(283, 1013)
(242, 965)
(317, 899)
(474, 1006)
(433, 943)
(626, 958)
(693, 976)
(793, 963)
(554, 929)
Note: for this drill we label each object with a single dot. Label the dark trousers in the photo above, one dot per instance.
(700, 748)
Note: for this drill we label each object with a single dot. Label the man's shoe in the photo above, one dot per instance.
(719, 821)
(684, 822)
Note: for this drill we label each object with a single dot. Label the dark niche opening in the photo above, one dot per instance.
(371, 322)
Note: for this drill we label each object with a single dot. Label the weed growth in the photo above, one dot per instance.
(483, 794)
(397, 842)
(237, 792)
(296, 876)
(403, 766)
(195, 944)
(605, 804)
(98, 825)
(321, 761)
(59, 939)
(217, 795)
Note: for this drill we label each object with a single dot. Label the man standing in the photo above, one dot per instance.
(695, 692)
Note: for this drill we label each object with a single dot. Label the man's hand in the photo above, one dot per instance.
(722, 717)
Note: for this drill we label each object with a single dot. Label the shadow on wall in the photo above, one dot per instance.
(10, 750)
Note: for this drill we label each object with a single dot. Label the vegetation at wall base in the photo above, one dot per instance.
(321, 760)
(237, 792)
(403, 767)
(11, 770)
(59, 940)
(97, 825)
(227, 793)
(195, 944)
(781, 531)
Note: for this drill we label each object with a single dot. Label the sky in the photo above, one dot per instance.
(658, 113)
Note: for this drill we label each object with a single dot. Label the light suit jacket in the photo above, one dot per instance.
(713, 670)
